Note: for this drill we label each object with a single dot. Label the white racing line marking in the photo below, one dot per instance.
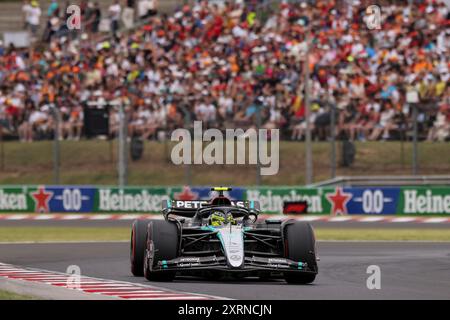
(403, 219)
(436, 220)
(101, 217)
(371, 219)
(72, 217)
(339, 219)
(98, 286)
(15, 216)
(44, 217)
(324, 218)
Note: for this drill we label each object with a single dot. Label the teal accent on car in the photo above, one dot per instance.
(164, 264)
(208, 228)
(220, 238)
(300, 265)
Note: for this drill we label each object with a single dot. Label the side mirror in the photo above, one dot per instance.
(166, 204)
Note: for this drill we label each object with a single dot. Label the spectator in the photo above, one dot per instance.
(25, 129)
(147, 8)
(75, 122)
(115, 11)
(26, 8)
(95, 17)
(34, 16)
(39, 123)
(128, 14)
(53, 9)
(152, 7)
(440, 130)
(53, 26)
(222, 63)
(385, 124)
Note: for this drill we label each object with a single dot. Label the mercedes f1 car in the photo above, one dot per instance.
(221, 239)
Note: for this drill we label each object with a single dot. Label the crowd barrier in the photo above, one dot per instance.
(326, 201)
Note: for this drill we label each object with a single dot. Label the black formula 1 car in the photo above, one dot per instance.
(221, 239)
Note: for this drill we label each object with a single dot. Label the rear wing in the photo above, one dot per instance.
(188, 208)
(197, 204)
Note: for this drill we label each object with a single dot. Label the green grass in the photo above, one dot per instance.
(94, 162)
(45, 234)
(49, 234)
(383, 234)
(6, 295)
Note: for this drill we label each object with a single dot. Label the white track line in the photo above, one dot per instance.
(72, 217)
(17, 217)
(339, 219)
(310, 218)
(406, 219)
(130, 217)
(436, 220)
(45, 217)
(371, 219)
(100, 217)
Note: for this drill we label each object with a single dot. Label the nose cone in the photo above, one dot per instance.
(233, 243)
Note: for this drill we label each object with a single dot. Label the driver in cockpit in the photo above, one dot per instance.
(218, 218)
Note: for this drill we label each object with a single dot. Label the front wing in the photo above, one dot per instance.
(251, 264)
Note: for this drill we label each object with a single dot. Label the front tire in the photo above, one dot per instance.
(137, 246)
(300, 245)
(162, 244)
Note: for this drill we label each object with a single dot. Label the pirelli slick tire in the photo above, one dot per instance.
(137, 246)
(162, 244)
(299, 245)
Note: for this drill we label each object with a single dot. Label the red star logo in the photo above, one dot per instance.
(41, 199)
(186, 194)
(339, 201)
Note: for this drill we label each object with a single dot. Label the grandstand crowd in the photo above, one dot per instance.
(236, 64)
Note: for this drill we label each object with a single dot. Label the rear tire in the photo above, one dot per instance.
(161, 244)
(300, 245)
(137, 246)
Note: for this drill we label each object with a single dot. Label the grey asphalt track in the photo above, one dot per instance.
(409, 270)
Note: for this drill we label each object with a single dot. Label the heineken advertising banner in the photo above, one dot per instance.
(334, 201)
